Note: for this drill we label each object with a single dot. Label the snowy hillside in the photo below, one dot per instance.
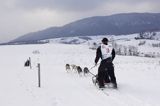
(124, 44)
(86, 39)
(138, 78)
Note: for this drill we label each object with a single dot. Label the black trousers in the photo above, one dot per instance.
(106, 73)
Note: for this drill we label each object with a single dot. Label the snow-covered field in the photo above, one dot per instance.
(138, 78)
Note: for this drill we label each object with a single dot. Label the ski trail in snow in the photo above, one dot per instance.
(93, 91)
(90, 93)
(121, 96)
(117, 96)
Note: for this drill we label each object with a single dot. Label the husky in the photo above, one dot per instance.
(68, 67)
(85, 71)
(74, 67)
(79, 69)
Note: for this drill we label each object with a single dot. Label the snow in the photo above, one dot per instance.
(138, 78)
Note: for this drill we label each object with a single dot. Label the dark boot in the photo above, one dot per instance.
(115, 85)
(101, 84)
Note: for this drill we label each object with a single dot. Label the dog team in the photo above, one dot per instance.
(77, 69)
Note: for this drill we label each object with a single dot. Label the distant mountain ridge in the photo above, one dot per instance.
(118, 24)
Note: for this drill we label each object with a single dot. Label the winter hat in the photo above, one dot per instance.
(104, 40)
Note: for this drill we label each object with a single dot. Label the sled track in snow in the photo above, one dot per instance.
(109, 94)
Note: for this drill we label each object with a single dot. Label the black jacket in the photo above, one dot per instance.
(99, 55)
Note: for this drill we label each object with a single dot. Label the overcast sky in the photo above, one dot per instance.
(18, 17)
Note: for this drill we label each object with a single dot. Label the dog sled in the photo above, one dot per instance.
(95, 82)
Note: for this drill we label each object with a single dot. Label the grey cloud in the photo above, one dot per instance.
(71, 5)
(81, 5)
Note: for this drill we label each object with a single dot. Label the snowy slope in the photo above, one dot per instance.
(137, 77)
(81, 39)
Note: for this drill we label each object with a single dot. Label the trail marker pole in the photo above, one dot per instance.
(39, 76)
(30, 62)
